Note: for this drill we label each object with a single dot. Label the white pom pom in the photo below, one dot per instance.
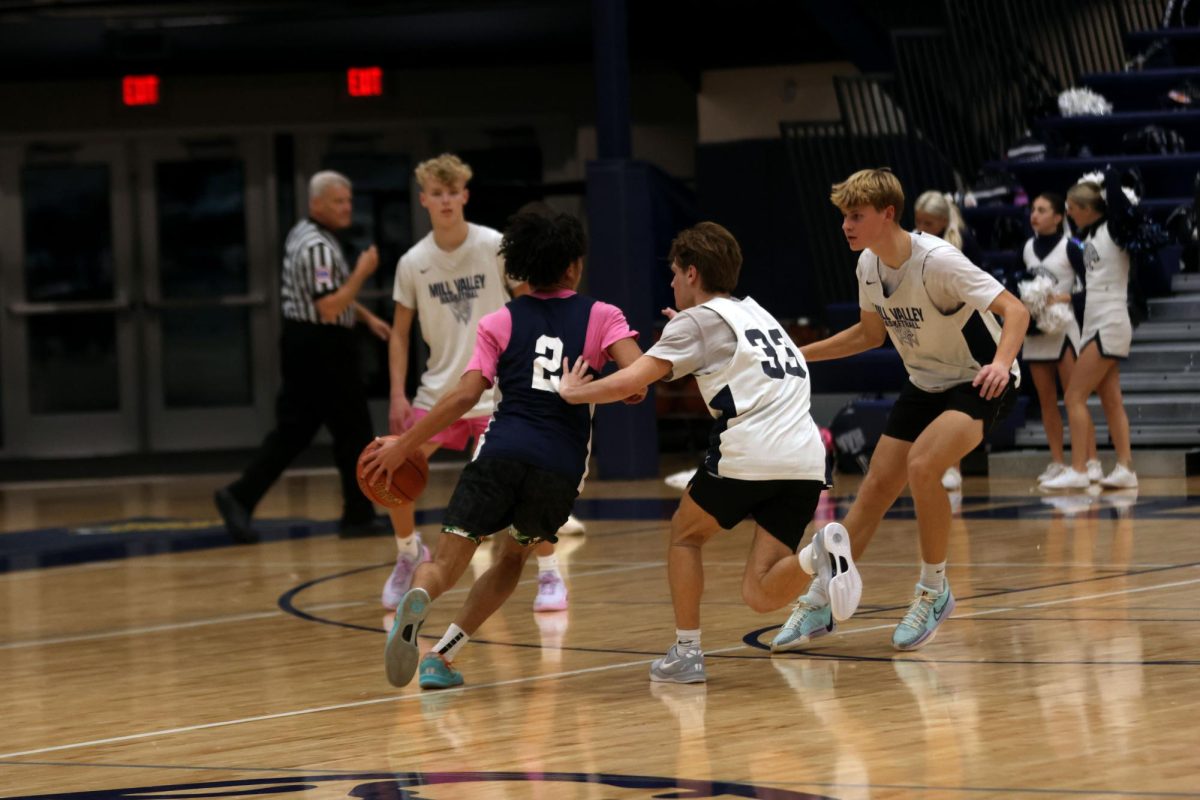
(1082, 102)
(1096, 177)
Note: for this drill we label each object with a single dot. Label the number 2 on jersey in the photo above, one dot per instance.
(547, 367)
(774, 366)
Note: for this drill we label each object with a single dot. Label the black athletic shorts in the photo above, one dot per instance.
(782, 508)
(916, 409)
(493, 493)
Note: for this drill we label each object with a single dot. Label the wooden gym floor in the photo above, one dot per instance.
(143, 657)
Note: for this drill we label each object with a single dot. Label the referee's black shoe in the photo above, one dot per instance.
(236, 517)
(375, 526)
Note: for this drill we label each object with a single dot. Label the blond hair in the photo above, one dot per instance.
(943, 206)
(878, 188)
(1089, 195)
(447, 169)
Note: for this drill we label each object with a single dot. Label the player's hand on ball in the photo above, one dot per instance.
(991, 380)
(384, 460)
(573, 380)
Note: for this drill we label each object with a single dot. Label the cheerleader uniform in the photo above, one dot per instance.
(1049, 255)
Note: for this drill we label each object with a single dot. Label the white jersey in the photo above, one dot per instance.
(940, 348)
(451, 292)
(764, 429)
(1050, 346)
(1105, 309)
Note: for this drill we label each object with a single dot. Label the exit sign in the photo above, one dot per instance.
(139, 90)
(364, 81)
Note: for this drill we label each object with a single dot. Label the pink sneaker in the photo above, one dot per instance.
(552, 593)
(400, 581)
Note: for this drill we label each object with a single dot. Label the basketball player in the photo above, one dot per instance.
(767, 459)
(449, 280)
(940, 311)
(529, 468)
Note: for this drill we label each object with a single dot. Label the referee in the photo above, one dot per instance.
(321, 379)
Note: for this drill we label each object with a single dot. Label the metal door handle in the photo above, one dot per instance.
(221, 301)
(119, 303)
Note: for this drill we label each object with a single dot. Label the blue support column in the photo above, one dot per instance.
(621, 258)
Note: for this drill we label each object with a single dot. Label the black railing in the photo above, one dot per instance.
(873, 133)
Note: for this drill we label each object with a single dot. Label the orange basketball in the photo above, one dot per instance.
(407, 482)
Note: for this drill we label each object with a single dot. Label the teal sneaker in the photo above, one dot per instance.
(401, 653)
(808, 621)
(438, 673)
(925, 614)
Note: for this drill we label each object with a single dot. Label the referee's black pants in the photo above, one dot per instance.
(322, 385)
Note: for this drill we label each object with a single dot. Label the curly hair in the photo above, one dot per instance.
(539, 247)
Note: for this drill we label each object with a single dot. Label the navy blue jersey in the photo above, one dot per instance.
(533, 424)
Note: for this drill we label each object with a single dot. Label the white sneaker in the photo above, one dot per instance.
(572, 527)
(1053, 471)
(1122, 477)
(679, 480)
(1095, 472)
(1068, 479)
(551, 593)
(952, 480)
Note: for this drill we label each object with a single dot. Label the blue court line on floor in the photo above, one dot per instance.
(145, 536)
(399, 784)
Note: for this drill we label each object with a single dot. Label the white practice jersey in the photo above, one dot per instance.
(761, 401)
(451, 292)
(941, 346)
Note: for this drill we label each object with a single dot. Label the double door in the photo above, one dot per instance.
(137, 295)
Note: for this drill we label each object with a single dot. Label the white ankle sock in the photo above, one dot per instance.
(933, 576)
(687, 640)
(817, 593)
(454, 640)
(547, 564)
(410, 547)
(807, 560)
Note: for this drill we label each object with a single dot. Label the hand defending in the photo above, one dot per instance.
(573, 380)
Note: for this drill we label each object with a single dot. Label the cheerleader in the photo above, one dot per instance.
(1050, 354)
(1104, 225)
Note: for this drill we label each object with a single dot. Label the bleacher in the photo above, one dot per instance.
(1161, 378)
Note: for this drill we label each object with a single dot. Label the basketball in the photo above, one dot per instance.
(407, 482)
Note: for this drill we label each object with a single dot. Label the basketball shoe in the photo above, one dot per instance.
(828, 556)
(925, 614)
(551, 593)
(401, 653)
(679, 666)
(435, 672)
(402, 575)
(808, 621)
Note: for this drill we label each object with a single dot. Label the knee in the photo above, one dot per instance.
(922, 470)
(756, 600)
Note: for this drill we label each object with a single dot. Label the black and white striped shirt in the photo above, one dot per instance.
(313, 266)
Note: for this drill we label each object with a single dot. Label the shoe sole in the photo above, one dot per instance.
(803, 641)
(664, 679)
(843, 582)
(928, 637)
(401, 654)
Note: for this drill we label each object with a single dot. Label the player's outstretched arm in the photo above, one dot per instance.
(866, 334)
(992, 379)
(388, 457)
(625, 352)
(577, 387)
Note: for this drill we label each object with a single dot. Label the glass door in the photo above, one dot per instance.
(208, 263)
(68, 327)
